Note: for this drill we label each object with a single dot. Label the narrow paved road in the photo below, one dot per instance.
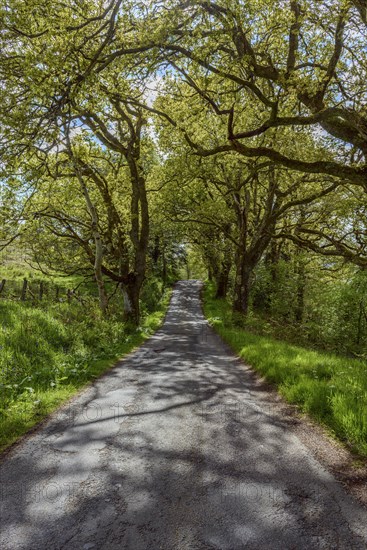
(176, 449)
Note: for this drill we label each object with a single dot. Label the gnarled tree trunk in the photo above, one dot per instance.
(223, 278)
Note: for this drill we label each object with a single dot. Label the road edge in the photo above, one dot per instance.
(332, 455)
(5, 453)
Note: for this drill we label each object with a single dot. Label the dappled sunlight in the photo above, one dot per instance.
(177, 447)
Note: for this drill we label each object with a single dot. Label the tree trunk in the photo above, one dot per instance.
(98, 255)
(24, 290)
(164, 267)
(103, 299)
(212, 266)
(301, 284)
(222, 280)
(272, 260)
(359, 328)
(156, 252)
(139, 233)
(242, 286)
(2, 284)
(301, 288)
(131, 294)
(187, 266)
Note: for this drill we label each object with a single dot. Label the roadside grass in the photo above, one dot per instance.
(331, 389)
(47, 354)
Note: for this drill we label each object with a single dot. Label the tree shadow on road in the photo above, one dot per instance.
(195, 457)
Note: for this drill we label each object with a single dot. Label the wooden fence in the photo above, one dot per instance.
(36, 291)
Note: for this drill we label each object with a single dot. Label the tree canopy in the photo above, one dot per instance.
(134, 132)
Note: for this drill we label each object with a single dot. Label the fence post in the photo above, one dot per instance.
(2, 284)
(24, 290)
(41, 290)
(69, 295)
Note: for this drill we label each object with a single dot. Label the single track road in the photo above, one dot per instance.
(176, 448)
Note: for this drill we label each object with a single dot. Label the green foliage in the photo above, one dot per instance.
(48, 353)
(332, 314)
(351, 305)
(152, 293)
(332, 389)
(251, 151)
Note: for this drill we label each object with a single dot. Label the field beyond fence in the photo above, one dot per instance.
(33, 290)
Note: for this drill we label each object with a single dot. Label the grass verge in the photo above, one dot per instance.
(48, 354)
(331, 389)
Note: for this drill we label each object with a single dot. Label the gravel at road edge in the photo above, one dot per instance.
(179, 447)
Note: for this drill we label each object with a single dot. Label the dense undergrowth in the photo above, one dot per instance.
(49, 351)
(310, 306)
(330, 388)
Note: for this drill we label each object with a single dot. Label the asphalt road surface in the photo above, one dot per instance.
(176, 448)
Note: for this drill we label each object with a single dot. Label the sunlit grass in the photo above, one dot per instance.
(330, 388)
(48, 354)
